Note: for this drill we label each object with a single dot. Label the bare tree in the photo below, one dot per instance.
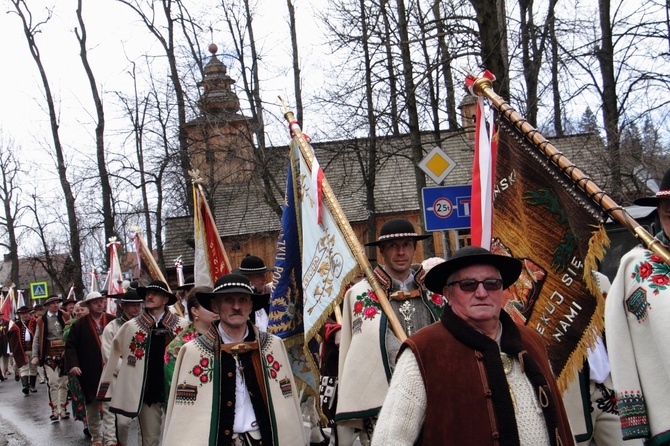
(493, 39)
(413, 114)
(106, 189)
(31, 29)
(296, 61)
(10, 190)
(167, 37)
(239, 16)
(533, 43)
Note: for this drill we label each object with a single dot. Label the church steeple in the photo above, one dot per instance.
(217, 95)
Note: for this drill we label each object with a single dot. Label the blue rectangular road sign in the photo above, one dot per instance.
(446, 207)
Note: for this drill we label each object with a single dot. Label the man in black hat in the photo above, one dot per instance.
(68, 305)
(48, 348)
(130, 306)
(243, 372)
(140, 344)
(83, 357)
(253, 267)
(637, 312)
(21, 344)
(476, 377)
(368, 346)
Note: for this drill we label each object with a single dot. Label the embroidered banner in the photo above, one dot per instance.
(210, 258)
(541, 218)
(313, 264)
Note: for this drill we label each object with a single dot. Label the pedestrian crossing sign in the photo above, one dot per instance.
(39, 290)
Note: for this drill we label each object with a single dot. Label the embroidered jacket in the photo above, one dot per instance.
(131, 347)
(364, 365)
(637, 310)
(203, 389)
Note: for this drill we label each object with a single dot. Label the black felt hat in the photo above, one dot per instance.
(509, 267)
(663, 193)
(397, 228)
(189, 283)
(229, 284)
(252, 265)
(160, 286)
(131, 296)
(23, 309)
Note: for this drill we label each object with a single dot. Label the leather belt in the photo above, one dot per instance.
(402, 295)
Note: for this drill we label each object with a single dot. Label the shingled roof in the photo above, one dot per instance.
(241, 211)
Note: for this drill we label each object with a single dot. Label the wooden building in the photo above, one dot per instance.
(223, 152)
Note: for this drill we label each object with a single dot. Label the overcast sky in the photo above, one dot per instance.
(114, 38)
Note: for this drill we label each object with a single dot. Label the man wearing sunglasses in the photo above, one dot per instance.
(368, 346)
(477, 377)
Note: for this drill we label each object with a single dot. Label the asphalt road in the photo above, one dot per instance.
(24, 421)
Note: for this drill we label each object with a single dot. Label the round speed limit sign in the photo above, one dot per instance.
(443, 207)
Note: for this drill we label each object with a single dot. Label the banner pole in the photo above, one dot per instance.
(345, 227)
(484, 87)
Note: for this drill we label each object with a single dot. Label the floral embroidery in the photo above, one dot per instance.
(367, 305)
(203, 370)
(173, 349)
(607, 402)
(654, 272)
(139, 344)
(273, 366)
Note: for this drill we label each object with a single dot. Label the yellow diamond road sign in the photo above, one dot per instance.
(437, 165)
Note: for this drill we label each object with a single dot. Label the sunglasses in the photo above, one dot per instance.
(471, 285)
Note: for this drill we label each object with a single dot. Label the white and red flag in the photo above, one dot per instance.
(483, 169)
(211, 260)
(115, 276)
(6, 305)
(20, 301)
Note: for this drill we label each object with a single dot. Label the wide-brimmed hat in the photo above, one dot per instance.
(131, 296)
(663, 193)
(226, 284)
(93, 295)
(69, 300)
(252, 265)
(509, 267)
(53, 298)
(23, 309)
(160, 286)
(189, 283)
(397, 228)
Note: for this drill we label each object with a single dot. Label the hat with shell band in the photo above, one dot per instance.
(252, 265)
(397, 228)
(131, 296)
(157, 286)
(226, 284)
(662, 194)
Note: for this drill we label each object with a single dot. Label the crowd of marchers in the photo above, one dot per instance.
(197, 365)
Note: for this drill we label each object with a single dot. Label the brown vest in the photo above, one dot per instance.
(459, 409)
